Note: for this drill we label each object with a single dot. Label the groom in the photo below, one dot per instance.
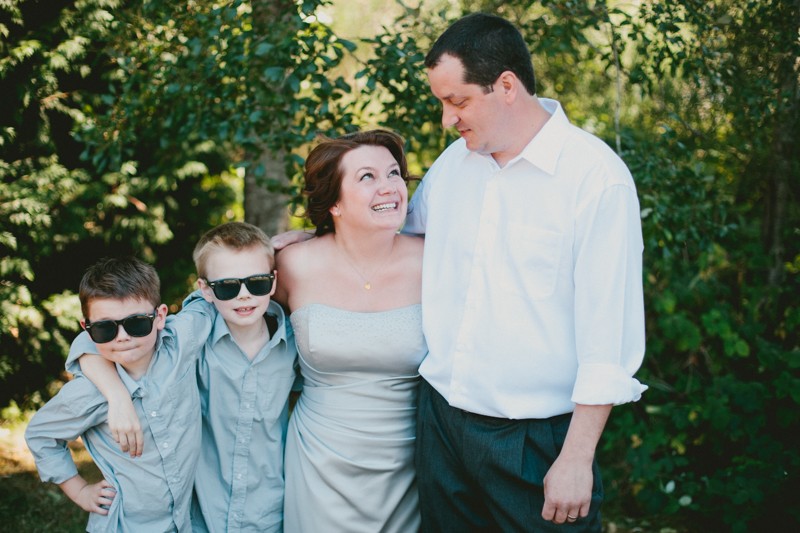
(532, 296)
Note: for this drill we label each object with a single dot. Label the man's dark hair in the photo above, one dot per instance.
(487, 45)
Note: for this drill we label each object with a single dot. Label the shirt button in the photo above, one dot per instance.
(153, 413)
(238, 476)
(247, 406)
(165, 445)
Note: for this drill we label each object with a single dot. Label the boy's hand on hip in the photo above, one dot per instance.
(97, 498)
(93, 498)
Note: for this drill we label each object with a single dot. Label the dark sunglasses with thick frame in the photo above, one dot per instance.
(138, 325)
(229, 288)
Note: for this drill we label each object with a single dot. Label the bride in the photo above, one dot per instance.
(354, 297)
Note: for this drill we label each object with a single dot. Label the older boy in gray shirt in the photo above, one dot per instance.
(155, 358)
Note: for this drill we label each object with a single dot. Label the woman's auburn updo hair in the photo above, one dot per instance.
(323, 171)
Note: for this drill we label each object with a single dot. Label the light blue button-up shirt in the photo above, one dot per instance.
(245, 408)
(154, 490)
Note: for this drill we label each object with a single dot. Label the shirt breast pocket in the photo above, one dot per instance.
(272, 398)
(532, 257)
(184, 395)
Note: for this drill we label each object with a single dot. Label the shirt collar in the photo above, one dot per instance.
(131, 384)
(545, 148)
(221, 329)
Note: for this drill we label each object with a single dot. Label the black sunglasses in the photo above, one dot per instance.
(228, 288)
(139, 325)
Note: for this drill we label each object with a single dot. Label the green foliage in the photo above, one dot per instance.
(60, 211)
(245, 78)
(681, 89)
(395, 78)
(702, 100)
(722, 359)
(132, 122)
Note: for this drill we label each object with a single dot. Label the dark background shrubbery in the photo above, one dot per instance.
(130, 127)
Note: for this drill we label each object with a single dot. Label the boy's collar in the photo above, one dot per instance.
(274, 317)
(131, 384)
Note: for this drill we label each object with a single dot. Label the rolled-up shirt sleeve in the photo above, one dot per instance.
(609, 301)
(81, 345)
(76, 408)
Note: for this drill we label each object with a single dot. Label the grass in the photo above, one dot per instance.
(27, 504)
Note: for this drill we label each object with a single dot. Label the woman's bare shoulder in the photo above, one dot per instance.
(412, 244)
(303, 256)
(299, 267)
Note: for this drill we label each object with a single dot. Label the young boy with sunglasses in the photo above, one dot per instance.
(153, 357)
(245, 373)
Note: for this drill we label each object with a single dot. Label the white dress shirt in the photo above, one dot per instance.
(532, 276)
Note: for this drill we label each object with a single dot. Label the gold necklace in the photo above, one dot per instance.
(367, 283)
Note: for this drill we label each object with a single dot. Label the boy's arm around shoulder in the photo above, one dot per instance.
(187, 331)
(124, 423)
(81, 346)
(84, 359)
(199, 314)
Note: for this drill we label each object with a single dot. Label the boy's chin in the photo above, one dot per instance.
(120, 355)
(245, 318)
(129, 357)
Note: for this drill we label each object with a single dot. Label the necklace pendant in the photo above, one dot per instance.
(368, 285)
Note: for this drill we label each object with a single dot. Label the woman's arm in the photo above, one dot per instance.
(282, 240)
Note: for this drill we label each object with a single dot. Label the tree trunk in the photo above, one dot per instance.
(262, 207)
(276, 19)
(785, 164)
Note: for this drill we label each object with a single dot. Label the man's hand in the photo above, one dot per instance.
(282, 240)
(94, 498)
(568, 483)
(567, 490)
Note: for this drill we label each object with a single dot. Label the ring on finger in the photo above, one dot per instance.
(571, 518)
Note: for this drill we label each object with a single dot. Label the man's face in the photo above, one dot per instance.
(477, 115)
